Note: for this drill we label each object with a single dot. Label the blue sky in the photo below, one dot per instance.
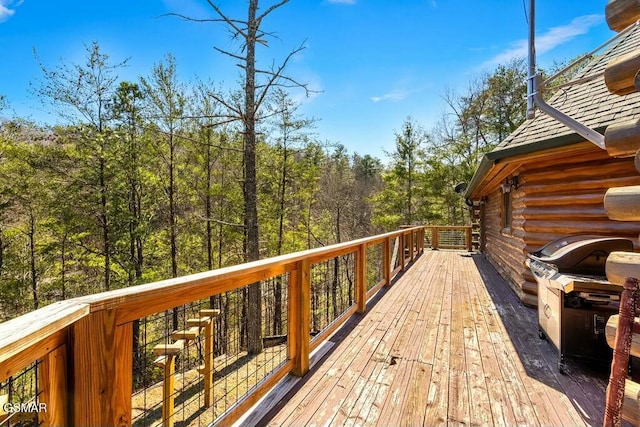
(375, 62)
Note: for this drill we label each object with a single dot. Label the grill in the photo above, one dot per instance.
(575, 299)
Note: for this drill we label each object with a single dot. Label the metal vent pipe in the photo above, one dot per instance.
(534, 98)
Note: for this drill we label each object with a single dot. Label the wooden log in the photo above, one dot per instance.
(636, 161)
(620, 74)
(623, 203)
(621, 265)
(621, 13)
(621, 349)
(610, 333)
(631, 403)
(623, 139)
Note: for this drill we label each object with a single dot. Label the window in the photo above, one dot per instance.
(506, 210)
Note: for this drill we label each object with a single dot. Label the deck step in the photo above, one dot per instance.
(160, 361)
(199, 321)
(210, 312)
(188, 335)
(172, 349)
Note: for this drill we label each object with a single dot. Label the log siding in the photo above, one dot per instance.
(560, 193)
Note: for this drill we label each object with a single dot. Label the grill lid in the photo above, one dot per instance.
(582, 254)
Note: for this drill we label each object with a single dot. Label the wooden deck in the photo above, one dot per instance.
(448, 343)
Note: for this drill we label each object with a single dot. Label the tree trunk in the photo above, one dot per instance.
(172, 222)
(32, 258)
(104, 222)
(254, 327)
(277, 315)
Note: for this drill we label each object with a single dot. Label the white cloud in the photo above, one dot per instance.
(342, 1)
(393, 96)
(547, 41)
(5, 11)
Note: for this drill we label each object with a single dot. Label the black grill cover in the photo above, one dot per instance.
(582, 254)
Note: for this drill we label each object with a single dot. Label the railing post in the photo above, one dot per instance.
(435, 238)
(299, 317)
(103, 370)
(469, 238)
(361, 278)
(401, 251)
(386, 261)
(52, 379)
(411, 245)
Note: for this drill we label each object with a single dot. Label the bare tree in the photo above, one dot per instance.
(246, 109)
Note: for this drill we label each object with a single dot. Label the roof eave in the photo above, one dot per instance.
(490, 159)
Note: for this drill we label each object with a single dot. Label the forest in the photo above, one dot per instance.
(146, 180)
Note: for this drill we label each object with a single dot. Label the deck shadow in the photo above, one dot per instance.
(583, 384)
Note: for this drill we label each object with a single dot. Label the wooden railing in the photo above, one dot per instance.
(449, 237)
(81, 349)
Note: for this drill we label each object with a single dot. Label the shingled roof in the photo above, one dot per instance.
(590, 103)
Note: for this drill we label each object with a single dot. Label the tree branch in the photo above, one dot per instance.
(217, 221)
(231, 22)
(271, 9)
(275, 75)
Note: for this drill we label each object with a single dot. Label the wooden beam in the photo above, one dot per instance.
(361, 278)
(386, 266)
(620, 74)
(102, 370)
(435, 237)
(631, 403)
(623, 139)
(209, 336)
(299, 317)
(168, 390)
(623, 203)
(610, 333)
(27, 338)
(621, 13)
(621, 265)
(401, 252)
(53, 386)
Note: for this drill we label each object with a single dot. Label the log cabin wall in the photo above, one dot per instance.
(559, 194)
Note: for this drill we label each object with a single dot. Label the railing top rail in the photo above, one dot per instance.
(42, 325)
(448, 227)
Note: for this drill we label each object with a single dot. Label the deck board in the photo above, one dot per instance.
(447, 344)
